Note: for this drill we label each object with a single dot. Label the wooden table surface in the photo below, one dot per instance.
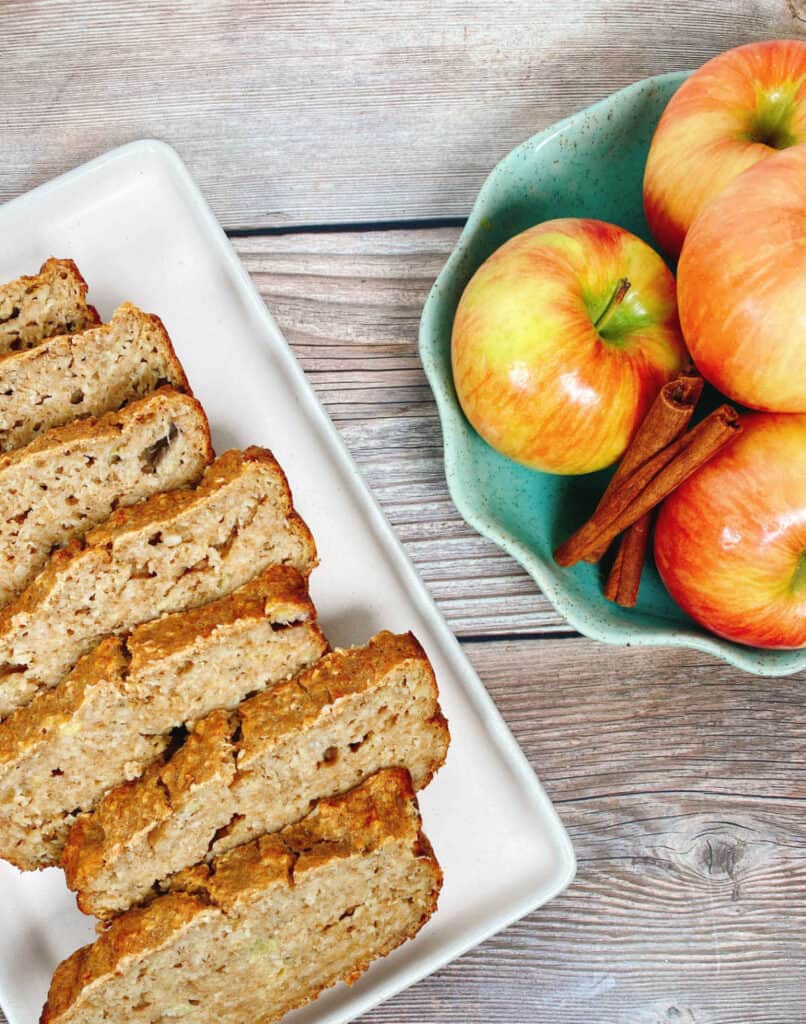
(341, 145)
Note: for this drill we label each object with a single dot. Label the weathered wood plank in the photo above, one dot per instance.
(350, 305)
(683, 785)
(682, 782)
(310, 112)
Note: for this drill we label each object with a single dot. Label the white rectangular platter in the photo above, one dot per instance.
(139, 229)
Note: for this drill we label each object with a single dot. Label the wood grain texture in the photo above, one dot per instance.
(681, 781)
(311, 112)
(683, 786)
(350, 306)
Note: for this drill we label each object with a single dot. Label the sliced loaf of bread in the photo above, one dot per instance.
(54, 301)
(89, 373)
(73, 477)
(114, 713)
(170, 552)
(268, 926)
(259, 768)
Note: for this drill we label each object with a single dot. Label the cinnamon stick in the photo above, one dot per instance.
(645, 488)
(624, 578)
(668, 417)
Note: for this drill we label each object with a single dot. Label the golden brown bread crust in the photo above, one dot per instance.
(25, 726)
(23, 325)
(65, 341)
(56, 264)
(228, 749)
(342, 672)
(85, 372)
(108, 424)
(52, 266)
(265, 718)
(280, 584)
(207, 753)
(153, 641)
(69, 479)
(155, 509)
(133, 933)
(381, 809)
(112, 715)
(226, 467)
(342, 826)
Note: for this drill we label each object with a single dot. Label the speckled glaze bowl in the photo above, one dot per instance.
(590, 165)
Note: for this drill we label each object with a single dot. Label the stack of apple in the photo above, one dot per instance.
(565, 335)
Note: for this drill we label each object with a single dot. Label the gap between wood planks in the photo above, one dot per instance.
(421, 224)
(349, 306)
(488, 638)
(348, 299)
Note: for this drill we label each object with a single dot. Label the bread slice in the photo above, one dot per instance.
(262, 767)
(54, 301)
(113, 715)
(268, 926)
(170, 552)
(73, 477)
(89, 373)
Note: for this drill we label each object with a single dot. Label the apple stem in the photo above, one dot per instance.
(621, 289)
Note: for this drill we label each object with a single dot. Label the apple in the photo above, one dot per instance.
(741, 286)
(561, 341)
(734, 111)
(730, 543)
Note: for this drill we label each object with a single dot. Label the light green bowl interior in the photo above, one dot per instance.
(590, 165)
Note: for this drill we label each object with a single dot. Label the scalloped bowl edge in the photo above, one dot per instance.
(454, 428)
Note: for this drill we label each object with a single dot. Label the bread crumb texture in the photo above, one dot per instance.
(265, 928)
(73, 477)
(33, 308)
(89, 372)
(113, 715)
(254, 770)
(171, 552)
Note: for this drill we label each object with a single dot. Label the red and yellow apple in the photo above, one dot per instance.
(741, 286)
(561, 340)
(734, 111)
(730, 543)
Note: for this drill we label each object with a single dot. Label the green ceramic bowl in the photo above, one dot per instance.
(590, 165)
